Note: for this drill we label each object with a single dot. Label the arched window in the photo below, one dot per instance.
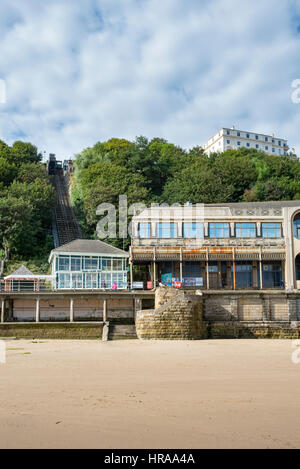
(297, 226)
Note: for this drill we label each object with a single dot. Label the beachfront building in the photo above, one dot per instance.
(88, 265)
(233, 139)
(219, 246)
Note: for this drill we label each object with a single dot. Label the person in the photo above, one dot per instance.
(114, 286)
(282, 284)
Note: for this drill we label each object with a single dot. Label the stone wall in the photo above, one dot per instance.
(52, 331)
(184, 315)
(181, 317)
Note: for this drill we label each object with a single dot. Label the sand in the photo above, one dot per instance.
(132, 394)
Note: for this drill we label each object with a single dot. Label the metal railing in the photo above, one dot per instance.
(25, 286)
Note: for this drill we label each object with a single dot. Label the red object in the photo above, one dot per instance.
(114, 286)
(178, 284)
(149, 285)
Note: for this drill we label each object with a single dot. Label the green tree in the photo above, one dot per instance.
(16, 226)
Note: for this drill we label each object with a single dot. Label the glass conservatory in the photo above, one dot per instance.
(90, 271)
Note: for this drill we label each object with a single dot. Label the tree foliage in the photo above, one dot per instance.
(26, 201)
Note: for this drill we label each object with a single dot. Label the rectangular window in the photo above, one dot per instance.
(144, 230)
(219, 230)
(117, 264)
(105, 281)
(279, 152)
(266, 139)
(239, 143)
(193, 230)
(228, 132)
(91, 281)
(267, 148)
(248, 144)
(63, 281)
(239, 134)
(90, 263)
(279, 143)
(76, 281)
(63, 263)
(106, 264)
(271, 230)
(272, 275)
(257, 146)
(245, 230)
(228, 142)
(248, 135)
(167, 230)
(75, 263)
(256, 136)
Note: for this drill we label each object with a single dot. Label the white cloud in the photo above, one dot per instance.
(78, 72)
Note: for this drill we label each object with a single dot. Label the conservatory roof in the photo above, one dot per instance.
(88, 247)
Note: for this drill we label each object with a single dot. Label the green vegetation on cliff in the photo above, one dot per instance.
(26, 202)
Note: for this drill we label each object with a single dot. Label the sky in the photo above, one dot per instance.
(81, 71)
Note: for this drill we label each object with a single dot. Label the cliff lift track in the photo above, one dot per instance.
(65, 226)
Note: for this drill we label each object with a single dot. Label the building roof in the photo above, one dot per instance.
(271, 204)
(89, 247)
(21, 272)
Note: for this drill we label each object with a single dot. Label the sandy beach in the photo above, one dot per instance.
(134, 394)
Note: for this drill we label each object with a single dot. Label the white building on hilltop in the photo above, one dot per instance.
(233, 139)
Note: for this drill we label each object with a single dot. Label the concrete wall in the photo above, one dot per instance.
(251, 307)
(58, 309)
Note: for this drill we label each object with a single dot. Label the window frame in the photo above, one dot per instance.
(213, 227)
(242, 227)
(142, 234)
(162, 233)
(196, 230)
(266, 228)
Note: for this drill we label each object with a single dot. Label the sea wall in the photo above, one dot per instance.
(179, 318)
(187, 315)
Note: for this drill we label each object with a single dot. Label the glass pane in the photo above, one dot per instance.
(167, 230)
(105, 280)
(106, 264)
(63, 263)
(75, 263)
(63, 281)
(219, 230)
(76, 281)
(117, 264)
(144, 230)
(271, 230)
(91, 281)
(245, 230)
(192, 230)
(90, 263)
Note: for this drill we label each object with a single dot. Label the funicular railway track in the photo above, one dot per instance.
(65, 226)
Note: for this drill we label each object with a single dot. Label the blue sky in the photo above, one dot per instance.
(81, 71)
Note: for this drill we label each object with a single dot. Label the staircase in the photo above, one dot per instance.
(65, 227)
(121, 332)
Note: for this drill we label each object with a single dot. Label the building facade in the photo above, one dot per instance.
(219, 246)
(88, 265)
(233, 139)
